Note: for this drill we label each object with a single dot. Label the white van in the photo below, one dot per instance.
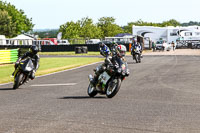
(190, 35)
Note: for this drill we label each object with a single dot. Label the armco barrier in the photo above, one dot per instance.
(62, 48)
(8, 56)
(57, 48)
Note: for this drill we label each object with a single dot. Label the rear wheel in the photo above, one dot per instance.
(139, 58)
(18, 80)
(91, 90)
(113, 87)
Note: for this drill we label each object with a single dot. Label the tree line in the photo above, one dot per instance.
(13, 22)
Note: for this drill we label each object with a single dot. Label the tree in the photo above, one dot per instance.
(70, 30)
(88, 29)
(108, 27)
(128, 28)
(171, 22)
(19, 20)
(6, 26)
(190, 23)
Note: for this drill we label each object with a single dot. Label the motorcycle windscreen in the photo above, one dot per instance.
(121, 63)
(27, 65)
(137, 50)
(122, 66)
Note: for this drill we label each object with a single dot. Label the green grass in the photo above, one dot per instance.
(48, 65)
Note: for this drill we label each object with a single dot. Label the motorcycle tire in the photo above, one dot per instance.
(91, 91)
(136, 58)
(111, 92)
(17, 80)
(139, 58)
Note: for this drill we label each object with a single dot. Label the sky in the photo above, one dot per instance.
(50, 14)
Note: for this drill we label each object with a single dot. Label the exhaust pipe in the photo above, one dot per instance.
(90, 77)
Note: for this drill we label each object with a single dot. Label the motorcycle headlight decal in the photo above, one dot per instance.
(123, 67)
(119, 70)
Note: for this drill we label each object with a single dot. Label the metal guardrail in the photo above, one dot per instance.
(8, 56)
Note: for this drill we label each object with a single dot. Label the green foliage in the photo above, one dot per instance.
(5, 24)
(171, 22)
(191, 23)
(70, 30)
(88, 29)
(108, 27)
(18, 21)
(82, 29)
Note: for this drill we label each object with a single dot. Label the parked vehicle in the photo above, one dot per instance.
(159, 46)
(23, 71)
(93, 41)
(105, 42)
(63, 42)
(163, 46)
(135, 52)
(52, 41)
(109, 81)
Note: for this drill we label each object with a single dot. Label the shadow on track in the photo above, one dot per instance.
(6, 89)
(82, 97)
(131, 62)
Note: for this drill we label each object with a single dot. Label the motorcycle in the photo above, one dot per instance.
(22, 72)
(109, 81)
(135, 52)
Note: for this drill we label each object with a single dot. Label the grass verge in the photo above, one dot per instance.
(48, 65)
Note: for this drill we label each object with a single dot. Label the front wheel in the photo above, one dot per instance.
(113, 87)
(91, 90)
(17, 80)
(136, 58)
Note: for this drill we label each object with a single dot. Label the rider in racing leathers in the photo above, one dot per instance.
(135, 45)
(104, 51)
(34, 57)
(117, 52)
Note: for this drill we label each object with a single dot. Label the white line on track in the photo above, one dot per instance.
(67, 84)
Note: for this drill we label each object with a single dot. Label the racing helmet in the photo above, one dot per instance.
(101, 44)
(121, 50)
(34, 49)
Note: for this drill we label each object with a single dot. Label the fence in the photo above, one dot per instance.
(62, 48)
(58, 48)
(8, 56)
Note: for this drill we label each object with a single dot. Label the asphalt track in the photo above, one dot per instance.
(162, 94)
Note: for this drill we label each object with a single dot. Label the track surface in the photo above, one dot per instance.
(162, 94)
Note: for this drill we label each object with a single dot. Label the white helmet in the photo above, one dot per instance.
(122, 50)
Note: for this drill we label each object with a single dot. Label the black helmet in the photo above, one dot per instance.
(34, 49)
(101, 44)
